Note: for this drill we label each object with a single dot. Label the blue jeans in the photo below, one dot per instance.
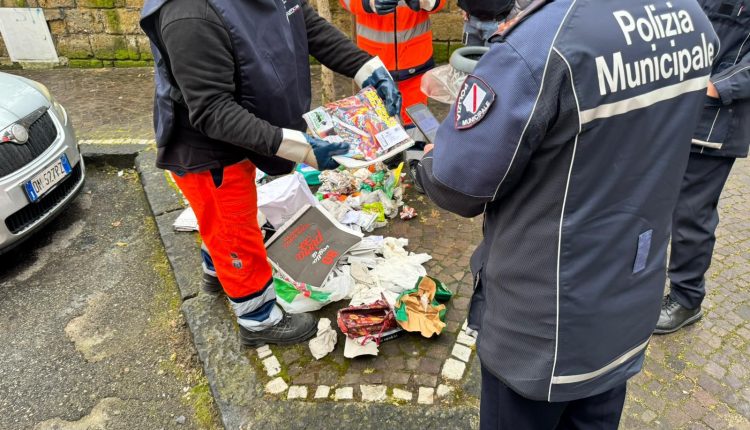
(478, 32)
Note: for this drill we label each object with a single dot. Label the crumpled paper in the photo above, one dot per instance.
(416, 311)
(325, 341)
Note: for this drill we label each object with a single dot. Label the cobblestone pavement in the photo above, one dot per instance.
(697, 378)
(104, 104)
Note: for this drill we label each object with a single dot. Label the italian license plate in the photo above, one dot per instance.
(47, 179)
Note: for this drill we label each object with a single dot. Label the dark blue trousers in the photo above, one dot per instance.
(503, 409)
(694, 225)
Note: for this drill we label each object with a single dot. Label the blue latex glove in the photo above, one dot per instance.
(324, 152)
(381, 80)
(382, 7)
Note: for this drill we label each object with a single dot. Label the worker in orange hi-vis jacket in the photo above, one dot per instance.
(399, 33)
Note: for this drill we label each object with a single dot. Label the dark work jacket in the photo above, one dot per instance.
(576, 163)
(486, 10)
(724, 127)
(231, 74)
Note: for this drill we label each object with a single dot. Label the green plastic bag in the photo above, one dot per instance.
(312, 176)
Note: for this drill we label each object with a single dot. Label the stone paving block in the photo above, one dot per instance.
(322, 392)
(465, 339)
(453, 369)
(425, 380)
(430, 366)
(276, 386)
(404, 395)
(272, 365)
(344, 393)
(461, 352)
(397, 378)
(264, 351)
(297, 392)
(426, 396)
(373, 393)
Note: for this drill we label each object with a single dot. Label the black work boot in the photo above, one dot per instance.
(674, 316)
(211, 285)
(290, 330)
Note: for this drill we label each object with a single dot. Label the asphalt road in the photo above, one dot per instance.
(91, 335)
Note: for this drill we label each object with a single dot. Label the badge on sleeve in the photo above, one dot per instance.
(474, 101)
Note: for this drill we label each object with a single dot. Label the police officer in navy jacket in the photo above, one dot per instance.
(570, 138)
(722, 135)
(232, 84)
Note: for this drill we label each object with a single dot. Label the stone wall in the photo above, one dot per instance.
(105, 33)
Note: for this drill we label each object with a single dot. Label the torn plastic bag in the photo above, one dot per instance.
(420, 309)
(443, 83)
(281, 199)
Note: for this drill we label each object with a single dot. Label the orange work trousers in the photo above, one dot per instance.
(227, 212)
(412, 94)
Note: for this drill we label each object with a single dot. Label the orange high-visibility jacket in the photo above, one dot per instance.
(402, 40)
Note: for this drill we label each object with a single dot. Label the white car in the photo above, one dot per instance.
(41, 169)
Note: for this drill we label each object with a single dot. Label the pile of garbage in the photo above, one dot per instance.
(388, 290)
(318, 239)
(363, 199)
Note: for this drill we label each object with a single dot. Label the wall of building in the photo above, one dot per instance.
(105, 33)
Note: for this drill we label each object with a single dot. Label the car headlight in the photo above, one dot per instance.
(59, 110)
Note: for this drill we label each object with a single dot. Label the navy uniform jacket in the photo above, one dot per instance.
(724, 127)
(570, 136)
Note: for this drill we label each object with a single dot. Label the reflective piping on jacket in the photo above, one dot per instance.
(712, 145)
(386, 37)
(573, 379)
(348, 4)
(644, 100)
(737, 59)
(562, 220)
(732, 75)
(711, 131)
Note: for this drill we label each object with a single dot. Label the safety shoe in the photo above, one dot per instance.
(292, 329)
(211, 285)
(674, 316)
(414, 175)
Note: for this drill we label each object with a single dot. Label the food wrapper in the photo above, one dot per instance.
(363, 121)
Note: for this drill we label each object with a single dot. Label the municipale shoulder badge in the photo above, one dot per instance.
(474, 101)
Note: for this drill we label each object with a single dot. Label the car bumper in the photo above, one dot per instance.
(18, 217)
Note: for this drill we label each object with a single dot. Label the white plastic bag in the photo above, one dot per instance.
(281, 199)
(297, 298)
(443, 83)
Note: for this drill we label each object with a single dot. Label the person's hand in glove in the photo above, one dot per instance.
(303, 148)
(381, 7)
(417, 5)
(325, 151)
(374, 74)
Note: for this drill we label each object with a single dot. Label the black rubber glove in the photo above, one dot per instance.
(325, 151)
(381, 80)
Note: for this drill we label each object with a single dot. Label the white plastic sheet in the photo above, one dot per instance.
(281, 199)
